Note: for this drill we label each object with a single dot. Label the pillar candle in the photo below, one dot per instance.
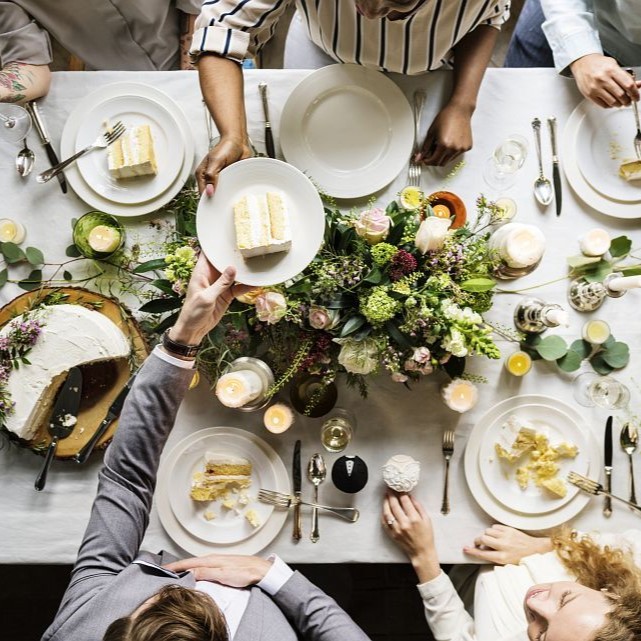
(239, 388)
(278, 418)
(11, 231)
(558, 317)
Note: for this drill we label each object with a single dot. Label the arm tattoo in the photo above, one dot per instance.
(14, 80)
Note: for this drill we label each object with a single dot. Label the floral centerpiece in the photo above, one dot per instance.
(395, 290)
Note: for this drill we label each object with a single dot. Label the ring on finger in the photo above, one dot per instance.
(391, 521)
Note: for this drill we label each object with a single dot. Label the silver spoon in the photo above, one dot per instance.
(25, 160)
(316, 473)
(629, 438)
(542, 186)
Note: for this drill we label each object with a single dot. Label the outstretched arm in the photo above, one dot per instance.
(21, 82)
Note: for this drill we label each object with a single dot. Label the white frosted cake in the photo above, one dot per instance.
(262, 224)
(630, 170)
(224, 473)
(133, 154)
(71, 335)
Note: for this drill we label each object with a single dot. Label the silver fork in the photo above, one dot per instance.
(595, 488)
(635, 109)
(414, 169)
(448, 450)
(102, 141)
(286, 501)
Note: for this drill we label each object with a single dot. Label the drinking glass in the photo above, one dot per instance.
(501, 167)
(338, 430)
(15, 122)
(605, 391)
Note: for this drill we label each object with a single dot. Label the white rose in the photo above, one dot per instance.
(455, 343)
(432, 233)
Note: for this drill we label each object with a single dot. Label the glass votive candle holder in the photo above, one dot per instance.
(595, 332)
(278, 418)
(519, 363)
(98, 235)
(338, 430)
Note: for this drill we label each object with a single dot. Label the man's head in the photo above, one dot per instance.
(389, 9)
(174, 614)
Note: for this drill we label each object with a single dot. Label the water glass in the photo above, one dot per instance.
(15, 122)
(501, 167)
(338, 430)
(604, 391)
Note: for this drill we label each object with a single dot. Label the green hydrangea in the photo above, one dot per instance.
(382, 253)
(180, 264)
(379, 306)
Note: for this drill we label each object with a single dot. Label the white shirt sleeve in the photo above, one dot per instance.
(445, 612)
(172, 360)
(570, 28)
(276, 576)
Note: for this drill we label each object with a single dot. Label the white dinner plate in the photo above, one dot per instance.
(131, 110)
(349, 128)
(189, 541)
(499, 475)
(68, 141)
(495, 508)
(604, 140)
(229, 525)
(607, 206)
(217, 233)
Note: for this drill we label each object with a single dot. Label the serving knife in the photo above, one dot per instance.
(556, 169)
(63, 419)
(39, 124)
(269, 137)
(297, 483)
(112, 414)
(607, 451)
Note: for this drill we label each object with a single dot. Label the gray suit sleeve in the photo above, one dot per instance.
(314, 615)
(120, 512)
(21, 39)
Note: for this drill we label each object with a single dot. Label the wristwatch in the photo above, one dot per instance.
(180, 349)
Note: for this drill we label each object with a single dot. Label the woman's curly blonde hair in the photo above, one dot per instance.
(611, 570)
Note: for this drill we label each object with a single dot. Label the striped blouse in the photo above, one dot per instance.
(237, 29)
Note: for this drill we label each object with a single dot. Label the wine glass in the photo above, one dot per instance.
(15, 122)
(338, 430)
(605, 391)
(501, 167)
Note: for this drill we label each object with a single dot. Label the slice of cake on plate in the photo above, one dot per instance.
(72, 335)
(262, 224)
(223, 474)
(630, 170)
(132, 154)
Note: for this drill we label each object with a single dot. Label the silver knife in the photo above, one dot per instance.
(63, 419)
(297, 485)
(112, 414)
(607, 457)
(269, 137)
(556, 170)
(39, 124)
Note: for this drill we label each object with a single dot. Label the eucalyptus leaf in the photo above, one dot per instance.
(4, 276)
(620, 246)
(12, 253)
(67, 275)
(600, 271)
(552, 348)
(609, 341)
(599, 365)
(581, 347)
(478, 285)
(570, 362)
(72, 252)
(34, 256)
(150, 266)
(31, 282)
(576, 262)
(616, 355)
(160, 305)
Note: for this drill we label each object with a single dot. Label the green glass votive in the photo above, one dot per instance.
(98, 235)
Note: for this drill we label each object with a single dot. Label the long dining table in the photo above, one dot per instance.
(46, 527)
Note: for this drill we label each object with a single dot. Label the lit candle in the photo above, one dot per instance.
(623, 283)
(596, 332)
(556, 317)
(518, 245)
(442, 211)
(460, 395)
(239, 388)
(278, 418)
(509, 208)
(595, 242)
(104, 239)
(11, 231)
(518, 364)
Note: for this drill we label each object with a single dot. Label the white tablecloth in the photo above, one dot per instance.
(47, 527)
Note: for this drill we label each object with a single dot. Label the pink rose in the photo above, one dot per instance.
(410, 365)
(397, 377)
(422, 355)
(270, 307)
(373, 225)
(322, 318)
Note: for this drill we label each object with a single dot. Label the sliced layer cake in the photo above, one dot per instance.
(223, 473)
(133, 154)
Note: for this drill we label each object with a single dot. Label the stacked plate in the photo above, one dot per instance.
(595, 142)
(492, 481)
(185, 520)
(349, 128)
(133, 104)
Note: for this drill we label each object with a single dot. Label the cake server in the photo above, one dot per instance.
(112, 414)
(607, 457)
(269, 137)
(297, 485)
(34, 112)
(63, 419)
(556, 169)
